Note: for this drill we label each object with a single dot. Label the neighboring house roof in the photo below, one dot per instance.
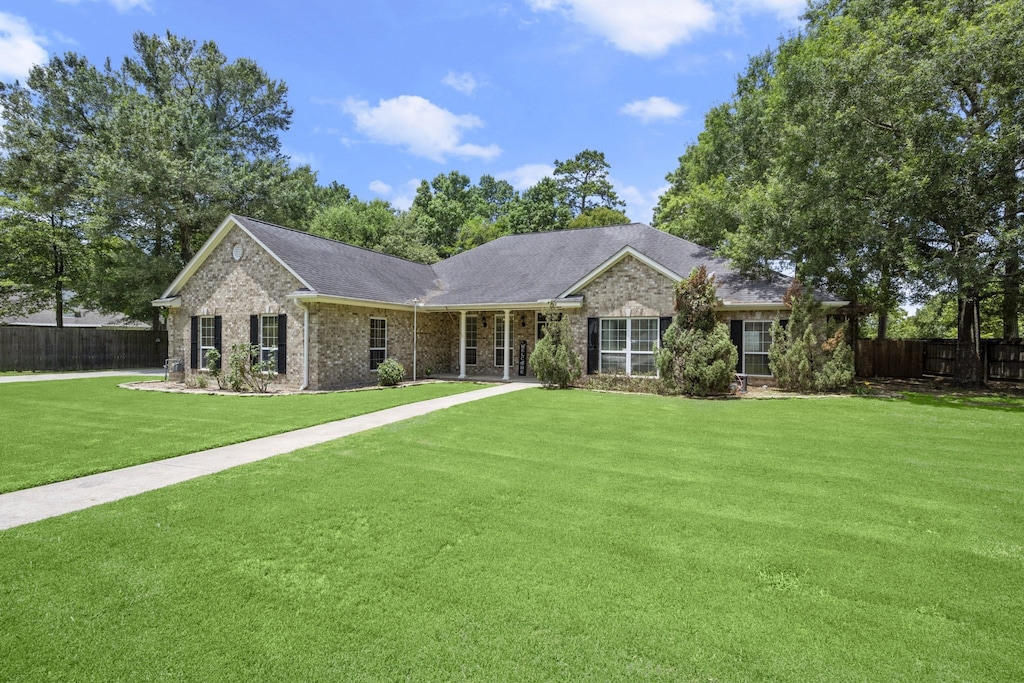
(514, 269)
(74, 318)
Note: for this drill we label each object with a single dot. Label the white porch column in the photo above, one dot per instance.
(507, 342)
(462, 345)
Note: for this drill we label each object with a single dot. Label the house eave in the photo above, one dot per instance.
(167, 302)
(767, 306)
(316, 297)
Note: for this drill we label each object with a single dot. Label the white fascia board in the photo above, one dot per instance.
(317, 298)
(170, 302)
(511, 305)
(204, 252)
(618, 256)
(770, 306)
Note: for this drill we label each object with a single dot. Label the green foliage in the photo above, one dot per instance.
(598, 216)
(46, 143)
(812, 165)
(583, 181)
(390, 373)
(245, 372)
(553, 360)
(809, 353)
(697, 357)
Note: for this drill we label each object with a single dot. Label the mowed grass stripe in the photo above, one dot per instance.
(57, 430)
(553, 535)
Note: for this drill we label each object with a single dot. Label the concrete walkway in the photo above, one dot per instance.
(51, 500)
(43, 377)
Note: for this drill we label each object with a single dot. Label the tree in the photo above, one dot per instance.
(553, 360)
(697, 357)
(192, 138)
(878, 150)
(809, 353)
(47, 147)
(584, 182)
(598, 216)
(542, 207)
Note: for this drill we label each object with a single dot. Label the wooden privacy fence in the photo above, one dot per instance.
(80, 348)
(1003, 358)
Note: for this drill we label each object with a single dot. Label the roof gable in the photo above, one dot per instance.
(212, 243)
(623, 253)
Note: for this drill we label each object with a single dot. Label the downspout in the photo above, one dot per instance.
(305, 346)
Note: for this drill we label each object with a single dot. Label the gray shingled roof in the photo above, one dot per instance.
(540, 266)
(339, 269)
(511, 269)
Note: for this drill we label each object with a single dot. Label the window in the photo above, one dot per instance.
(757, 339)
(378, 341)
(499, 340)
(470, 340)
(206, 339)
(542, 325)
(628, 345)
(268, 338)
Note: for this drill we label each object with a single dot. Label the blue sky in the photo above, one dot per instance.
(387, 93)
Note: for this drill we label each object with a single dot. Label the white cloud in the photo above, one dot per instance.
(639, 203)
(121, 6)
(464, 82)
(296, 159)
(643, 27)
(20, 47)
(784, 9)
(654, 109)
(419, 125)
(527, 175)
(400, 199)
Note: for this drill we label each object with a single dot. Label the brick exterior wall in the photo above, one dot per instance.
(523, 328)
(254, 285)
(339, 343)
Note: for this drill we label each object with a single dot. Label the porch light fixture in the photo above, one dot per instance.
(483, 320)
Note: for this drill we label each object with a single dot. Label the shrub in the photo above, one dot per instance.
(697, 357)
(390, 373)
(246, 372)
(809, 353)
(553, 361)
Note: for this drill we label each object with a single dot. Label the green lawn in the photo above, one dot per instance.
(556, 536)
(55, 430)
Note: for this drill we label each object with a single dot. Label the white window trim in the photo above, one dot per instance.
(755, 353)
(263, 346)
(476, 339)
(498, 341)
(628, 351)
(213, 339)
(378, 348)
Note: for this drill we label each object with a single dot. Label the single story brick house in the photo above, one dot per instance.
(329, 312)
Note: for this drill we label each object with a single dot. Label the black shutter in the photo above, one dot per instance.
(663, 324)
(593, 345)
(217, 328)
(194, 364)
(783, 322)
(736, 334)
(282, 343)
(254, 329)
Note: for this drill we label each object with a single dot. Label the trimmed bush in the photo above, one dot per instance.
(390, 373)
(697, 357)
